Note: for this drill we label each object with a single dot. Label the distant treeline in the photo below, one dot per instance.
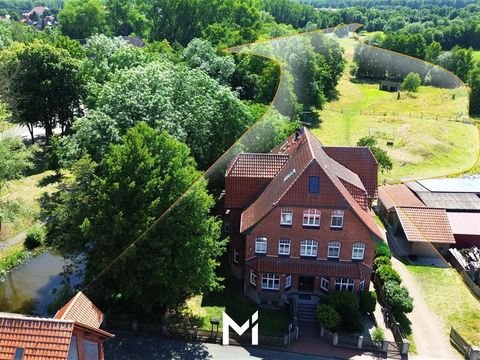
(413, 4)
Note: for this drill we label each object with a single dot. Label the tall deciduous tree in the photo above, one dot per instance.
(80, 19)
(42, 86)
(411, 82)
(474, 82)
(200, 54)
(110, 204)
(186, 103)
(380, 155)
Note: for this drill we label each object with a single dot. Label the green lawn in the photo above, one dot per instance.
(450, 298)
(21, 206)
(426, 142)
(238, 307)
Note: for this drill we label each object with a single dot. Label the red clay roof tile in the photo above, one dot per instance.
(422, 224)
(40, 337)
(308, 266)
(397, 195)
(81, 310)
(361, 161)
(257, 165)
(305, 150)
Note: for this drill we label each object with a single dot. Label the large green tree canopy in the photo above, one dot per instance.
(107, 206)
(185, 102)
(42, 85)
(80, 19)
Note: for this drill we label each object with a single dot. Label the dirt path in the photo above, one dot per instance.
(427, 328)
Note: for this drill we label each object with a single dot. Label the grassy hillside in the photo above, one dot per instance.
(429, 131)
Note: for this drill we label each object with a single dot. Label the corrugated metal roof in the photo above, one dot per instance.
(397, 195)
(464, 223)
(415, 186)
(465, 185)
(422, 224)
(450, 201)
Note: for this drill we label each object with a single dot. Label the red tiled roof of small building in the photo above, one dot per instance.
(257, 165)
(398, 195)
(81, 310)
(305, 150)
(302, 266)
(40, 338)
(422, 224)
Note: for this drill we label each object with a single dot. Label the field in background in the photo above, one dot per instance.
(424, 131)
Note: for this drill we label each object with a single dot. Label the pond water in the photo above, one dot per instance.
(31, 288)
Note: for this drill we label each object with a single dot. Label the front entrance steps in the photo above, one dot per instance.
(307, 308)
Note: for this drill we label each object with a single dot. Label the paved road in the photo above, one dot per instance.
(132, 347)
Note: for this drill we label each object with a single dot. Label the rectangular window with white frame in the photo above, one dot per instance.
(270, 282)
(261, 245)
(253, 278)
(288, 281)
(337, 219)
(311, 217)
(333, 249)
(308, 248)
(344, 284)
(358, 251)
(286, 217)
(284, 246)
(324, 283)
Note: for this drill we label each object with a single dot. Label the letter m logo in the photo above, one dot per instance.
(229, 323)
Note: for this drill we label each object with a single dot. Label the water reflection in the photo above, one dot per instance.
(30, 288)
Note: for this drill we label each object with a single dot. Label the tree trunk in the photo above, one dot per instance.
(48, 132)
(30, 130)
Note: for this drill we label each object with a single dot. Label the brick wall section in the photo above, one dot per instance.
(352, 231)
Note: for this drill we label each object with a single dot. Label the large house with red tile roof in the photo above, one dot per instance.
(299, 221)
(74, 333)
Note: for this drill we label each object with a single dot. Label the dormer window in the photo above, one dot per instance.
(286, 218)
(314, 184)
(311, 217)
(337, 219)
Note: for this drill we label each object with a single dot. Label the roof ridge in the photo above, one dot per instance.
(69, 305)
(34, 318)
(348, 198)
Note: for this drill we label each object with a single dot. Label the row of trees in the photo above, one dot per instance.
(141, 124)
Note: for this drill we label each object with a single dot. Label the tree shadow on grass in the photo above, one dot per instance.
(50, 179)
